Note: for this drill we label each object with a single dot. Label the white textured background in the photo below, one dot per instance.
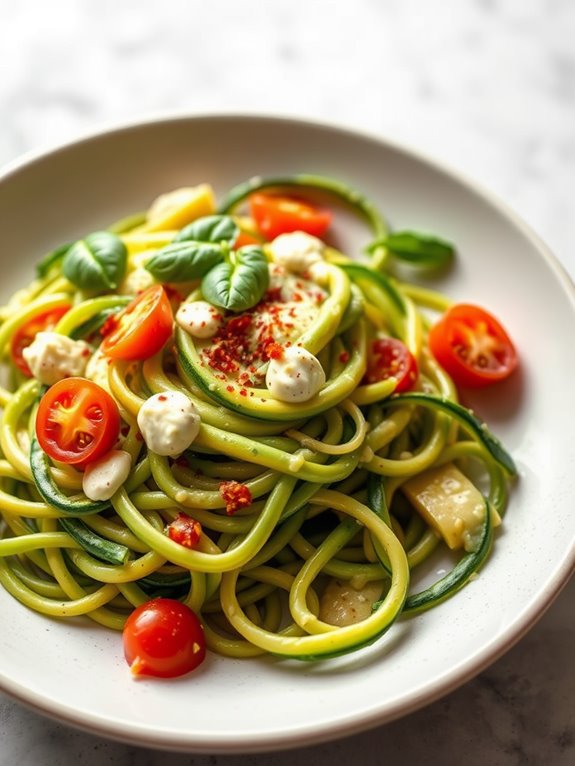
(487, 86)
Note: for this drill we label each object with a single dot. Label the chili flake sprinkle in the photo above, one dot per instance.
(185, 530)
(235, 496)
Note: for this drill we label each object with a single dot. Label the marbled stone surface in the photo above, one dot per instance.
(487, 86)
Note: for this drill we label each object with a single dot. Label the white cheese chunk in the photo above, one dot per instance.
(104, 477)
(52, 357)
(296, 251)
(169, 423)
(97, 369)
(199, 319)
(296, 376)
(136, 281)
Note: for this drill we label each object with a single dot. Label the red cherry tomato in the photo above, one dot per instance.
(77, 421)
(24, 335)
(472, 347)
(390, 358)
(163, 638)
(275, 215)
(142, 328)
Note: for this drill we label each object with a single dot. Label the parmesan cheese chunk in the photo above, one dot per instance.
(342, 604)
(449, 503)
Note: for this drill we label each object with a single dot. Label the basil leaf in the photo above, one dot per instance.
(417, 249)
(52, 259)
(97, 262)
(196, 249)
(210, 228)
(184, 261)
(239, 284)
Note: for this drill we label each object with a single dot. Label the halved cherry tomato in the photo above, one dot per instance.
(390, 358)
(24, 335)
(142, 328)
(472, 346)
(275, 215)
(77, 421)
(163, 638)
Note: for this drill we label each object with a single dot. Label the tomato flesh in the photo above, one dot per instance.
(472, 346)
(24, 335)
(275, 215)
(142, 328)
(390, 358)
(163, 638)
(77, 421)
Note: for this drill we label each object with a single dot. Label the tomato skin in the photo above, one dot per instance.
(24, 335)
(472, 346)
(390, 357)
(77, 421)
(275, 215)
(163, 638)
(142, 328)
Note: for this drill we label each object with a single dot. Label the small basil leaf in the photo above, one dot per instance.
(239, 284)
(97, 262)
(52, 259)
(417, 249)
(210, 228)
(184, 261)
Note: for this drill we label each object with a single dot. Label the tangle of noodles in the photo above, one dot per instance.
(325, 477)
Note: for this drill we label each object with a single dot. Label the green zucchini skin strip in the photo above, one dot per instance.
(76, 505)
(341, 191)
(357, 271)
(97, 546)
(457, 578)
(466, 419)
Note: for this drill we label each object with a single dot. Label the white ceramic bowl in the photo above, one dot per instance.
(76, 672)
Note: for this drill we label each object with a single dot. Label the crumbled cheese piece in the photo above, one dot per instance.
(97, 369)
(104, 477)
(296, 376)
(199, 319)
(52, 357)
(136, 281)
(296, 251)
(169, 423)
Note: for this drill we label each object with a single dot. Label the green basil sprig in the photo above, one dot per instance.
(195, 250)
(239, 282)
(97, 262)
(232, 280)
(417, 249)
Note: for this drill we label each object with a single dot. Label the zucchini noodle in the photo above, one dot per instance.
(335, 485)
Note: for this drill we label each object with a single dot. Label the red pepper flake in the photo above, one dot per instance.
(185, 531)
(230, 389)
(162, 398)
(109, 325)
(235, 496)
(275, 350)
(344, 357)
(86, 352)
(243, 392)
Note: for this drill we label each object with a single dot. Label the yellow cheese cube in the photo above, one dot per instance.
(177, 208)
(450, 503)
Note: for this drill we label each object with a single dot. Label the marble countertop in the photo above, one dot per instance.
(486, 86)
